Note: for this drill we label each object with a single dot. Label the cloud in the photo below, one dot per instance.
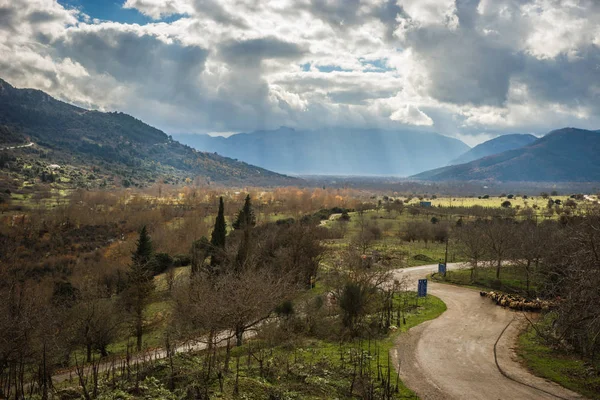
(411, 115)
(468, 67)
(253, 51)
(158, 9)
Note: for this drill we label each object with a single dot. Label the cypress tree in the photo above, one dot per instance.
(219, 233)
(140, 284)
(245, 218)
(245, 222)
(143, 252)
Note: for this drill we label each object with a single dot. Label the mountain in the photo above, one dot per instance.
(111, 144)
(335, 151)
(495, 146)
(564, 155)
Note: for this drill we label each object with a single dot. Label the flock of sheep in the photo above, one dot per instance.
(519, 303)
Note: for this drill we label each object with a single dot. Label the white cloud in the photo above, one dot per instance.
(560, 27)
(431, 12)
(160, 8)
(461, 68)
(411, 115)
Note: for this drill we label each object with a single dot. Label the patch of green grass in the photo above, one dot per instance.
(513, 279)
(495, 202)
(298, 366)
(565, 369)
(328, 353)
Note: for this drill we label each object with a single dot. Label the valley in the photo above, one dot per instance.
(299, 200)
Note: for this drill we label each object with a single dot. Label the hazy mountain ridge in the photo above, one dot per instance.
(563, 155)
(335, 151)
(497, 145)
(114, 143)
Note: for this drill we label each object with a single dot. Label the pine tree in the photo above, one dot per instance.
(245, 222)
(140, 283)
(217, 239)
(143, 252)
(245, 218)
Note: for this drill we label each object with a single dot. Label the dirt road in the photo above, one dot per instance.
(18, 147)
(460, 355)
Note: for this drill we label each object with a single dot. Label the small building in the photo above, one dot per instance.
(425, 204)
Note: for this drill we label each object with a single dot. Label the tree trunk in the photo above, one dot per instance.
(239, 336)
(498, 269)
(139, 332)
(88, 348)
(527, 272)
(227, 355)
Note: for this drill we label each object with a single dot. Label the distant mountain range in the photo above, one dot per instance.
(38, 132)
(112, 144)
(495, 146)
(564, 155)
(335, 151)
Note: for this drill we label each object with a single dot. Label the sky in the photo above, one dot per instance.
(471, 69)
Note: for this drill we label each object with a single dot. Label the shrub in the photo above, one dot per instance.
(162, 262)
(182, 260)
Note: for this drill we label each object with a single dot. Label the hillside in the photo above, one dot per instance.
(335, 151)
(564, 155)
(113, 145)
(495, 146)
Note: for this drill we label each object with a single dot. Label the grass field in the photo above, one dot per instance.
(558, 366)
(403, 253)
(492, 202)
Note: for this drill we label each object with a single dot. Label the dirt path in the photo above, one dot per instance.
(119, 362)
(454, 356)
(18, 147)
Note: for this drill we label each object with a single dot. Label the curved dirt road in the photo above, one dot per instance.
(453, 357)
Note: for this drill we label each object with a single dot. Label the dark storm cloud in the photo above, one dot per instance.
(39, 17)
(464, 68)
(252, 52)
(573, 82)
(358, 96)
(7, 18)
(217, 12)
(162, 70)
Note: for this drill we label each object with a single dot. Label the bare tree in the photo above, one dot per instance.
(529, 247)
(471, 245)
(498, 234)
(233, 301)
(94, 319)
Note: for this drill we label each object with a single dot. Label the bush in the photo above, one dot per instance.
(352, 303)
(162, 262)
(286, 221)
(285, 309)
(182, 260)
